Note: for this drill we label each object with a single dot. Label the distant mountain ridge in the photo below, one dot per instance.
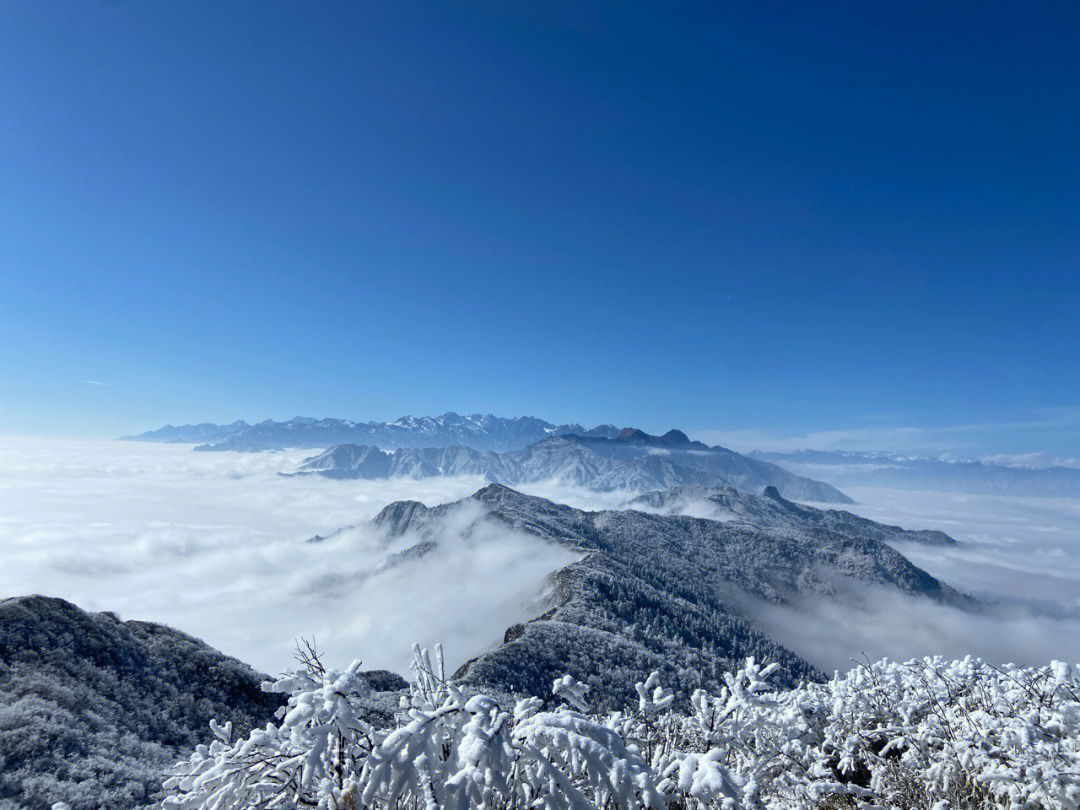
(875, 469)
(771, 509)
(631, 460)
(478, 431)
(187, 434)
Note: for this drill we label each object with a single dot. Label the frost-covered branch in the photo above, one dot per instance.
(922, 734)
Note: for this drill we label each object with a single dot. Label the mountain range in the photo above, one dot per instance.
(488, 433)
(873, 469)
(93, 709)
(631, 460)
(478, 431)
(661, 592)
(188, 434)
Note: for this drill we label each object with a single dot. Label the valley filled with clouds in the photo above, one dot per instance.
(216, 545)
(1019, 555)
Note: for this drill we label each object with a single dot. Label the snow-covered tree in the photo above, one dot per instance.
(923, 734)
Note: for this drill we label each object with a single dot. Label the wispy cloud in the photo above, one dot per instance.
(95, 382)
(971, 439)
(1031, 460)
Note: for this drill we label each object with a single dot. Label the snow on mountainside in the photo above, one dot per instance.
(652, 591)
(870, 469)
(677, 450)
(94, 709)
(478, 431)
(633, 461)
(773, 510)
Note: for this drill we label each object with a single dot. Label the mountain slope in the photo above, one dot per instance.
(772, 510)
(93, 709)
(726, 466)
(633, 461)
(650, 592)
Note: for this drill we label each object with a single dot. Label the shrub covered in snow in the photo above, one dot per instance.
(923, 734)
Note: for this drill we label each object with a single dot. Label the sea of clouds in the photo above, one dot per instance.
(215, 544)
(1020, 556)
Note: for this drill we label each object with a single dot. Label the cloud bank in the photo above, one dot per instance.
(1020, 555)
(214, 545)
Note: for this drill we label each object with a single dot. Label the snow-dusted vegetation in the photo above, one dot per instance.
(923, 734)
(93, 709)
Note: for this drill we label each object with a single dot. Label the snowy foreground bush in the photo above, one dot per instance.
(925, 734)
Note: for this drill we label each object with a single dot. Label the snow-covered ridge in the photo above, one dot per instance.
(661, 589)
(478, 431)
(958, 733)
(632, 461)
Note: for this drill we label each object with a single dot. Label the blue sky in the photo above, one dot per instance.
(774, 220)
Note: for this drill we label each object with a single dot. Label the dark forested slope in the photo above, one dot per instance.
(92, 709)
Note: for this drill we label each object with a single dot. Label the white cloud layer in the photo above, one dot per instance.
(1021, 555)
(213, 544)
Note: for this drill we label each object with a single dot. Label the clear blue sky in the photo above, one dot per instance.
(783, 218)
